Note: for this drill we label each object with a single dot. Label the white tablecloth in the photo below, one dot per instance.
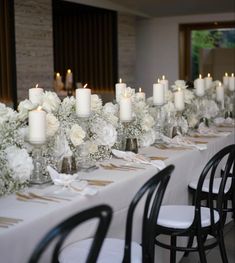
(18, 241)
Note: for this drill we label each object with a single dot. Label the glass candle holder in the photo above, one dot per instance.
(38, 175)
(159, 124)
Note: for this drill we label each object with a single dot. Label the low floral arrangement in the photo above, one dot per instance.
(93, 137)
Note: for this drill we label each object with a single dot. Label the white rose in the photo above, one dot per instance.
(96, 103)
(91, 147)
(105, 133)
(188, 96)
(24, 107)
(110, 108)
(50, 101)
(68, 104)
(179, 84)
(20, 163)
(147, 122)
(52, 124)
(147, 138)
(77, 134)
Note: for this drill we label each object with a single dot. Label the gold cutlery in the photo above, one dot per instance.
(153, 158)
(118, 168)
(36, 196)
(177, 148)
(204, 136)
(6, 222)
(57, 197)
(11, 219)
(200, 142)
(127, 166)
(26, 198)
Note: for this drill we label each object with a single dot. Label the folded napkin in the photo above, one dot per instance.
(179, 141)
(137, 158)
(224, 122)
(209, 131)
(71, 182)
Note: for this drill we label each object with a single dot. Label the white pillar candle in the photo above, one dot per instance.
(35, 95)
(231, 82)
(165, 83)
(199, 86)
(140, 95)
(69, 78)
(220, 93)
(158, 94)
(58, 79)
(208, 81)
(179, 100)
(119, 90)
(83, 102)
(125, 108)
(37, 126)
(226, 80)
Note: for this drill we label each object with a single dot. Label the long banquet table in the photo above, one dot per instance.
(18, 241)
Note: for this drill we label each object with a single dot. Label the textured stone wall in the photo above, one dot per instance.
(127, 48)
(34, 45)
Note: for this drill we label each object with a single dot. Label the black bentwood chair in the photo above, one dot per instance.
(126, 251)
(229, 191)
(104, 215)
(198, 220)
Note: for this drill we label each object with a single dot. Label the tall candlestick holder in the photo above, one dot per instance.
(229, 111)
(84, 162)
(159, 124)
(201, 112)
(39, 175)
(129, 141)
(177, 129)
(69, 89)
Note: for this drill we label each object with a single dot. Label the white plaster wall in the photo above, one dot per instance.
(157, 46)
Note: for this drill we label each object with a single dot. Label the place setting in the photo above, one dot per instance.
(6, 222)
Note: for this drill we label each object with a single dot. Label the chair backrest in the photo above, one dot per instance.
(214, 202)
(154, 190)
(104, 215)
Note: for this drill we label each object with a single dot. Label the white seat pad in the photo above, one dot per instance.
(181, 216)
(111, 252)
(216, 185)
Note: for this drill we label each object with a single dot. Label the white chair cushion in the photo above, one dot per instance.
(111, 252)
(182, 216)
(216, 185)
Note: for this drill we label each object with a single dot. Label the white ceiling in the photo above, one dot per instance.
(159, 8)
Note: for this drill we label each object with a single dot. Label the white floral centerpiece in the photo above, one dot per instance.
(15, 162)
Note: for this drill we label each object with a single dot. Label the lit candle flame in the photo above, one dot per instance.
(39, 108)
(208, 75)
(140, 90)
(232, 75)
(163, 77)
(36, 86)
(69, 71)
(200, 76)
(179, 89)
(226, 74)
(220, 84)
(158, 80)
(57, 74)
(120, 80)
(85, 86)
